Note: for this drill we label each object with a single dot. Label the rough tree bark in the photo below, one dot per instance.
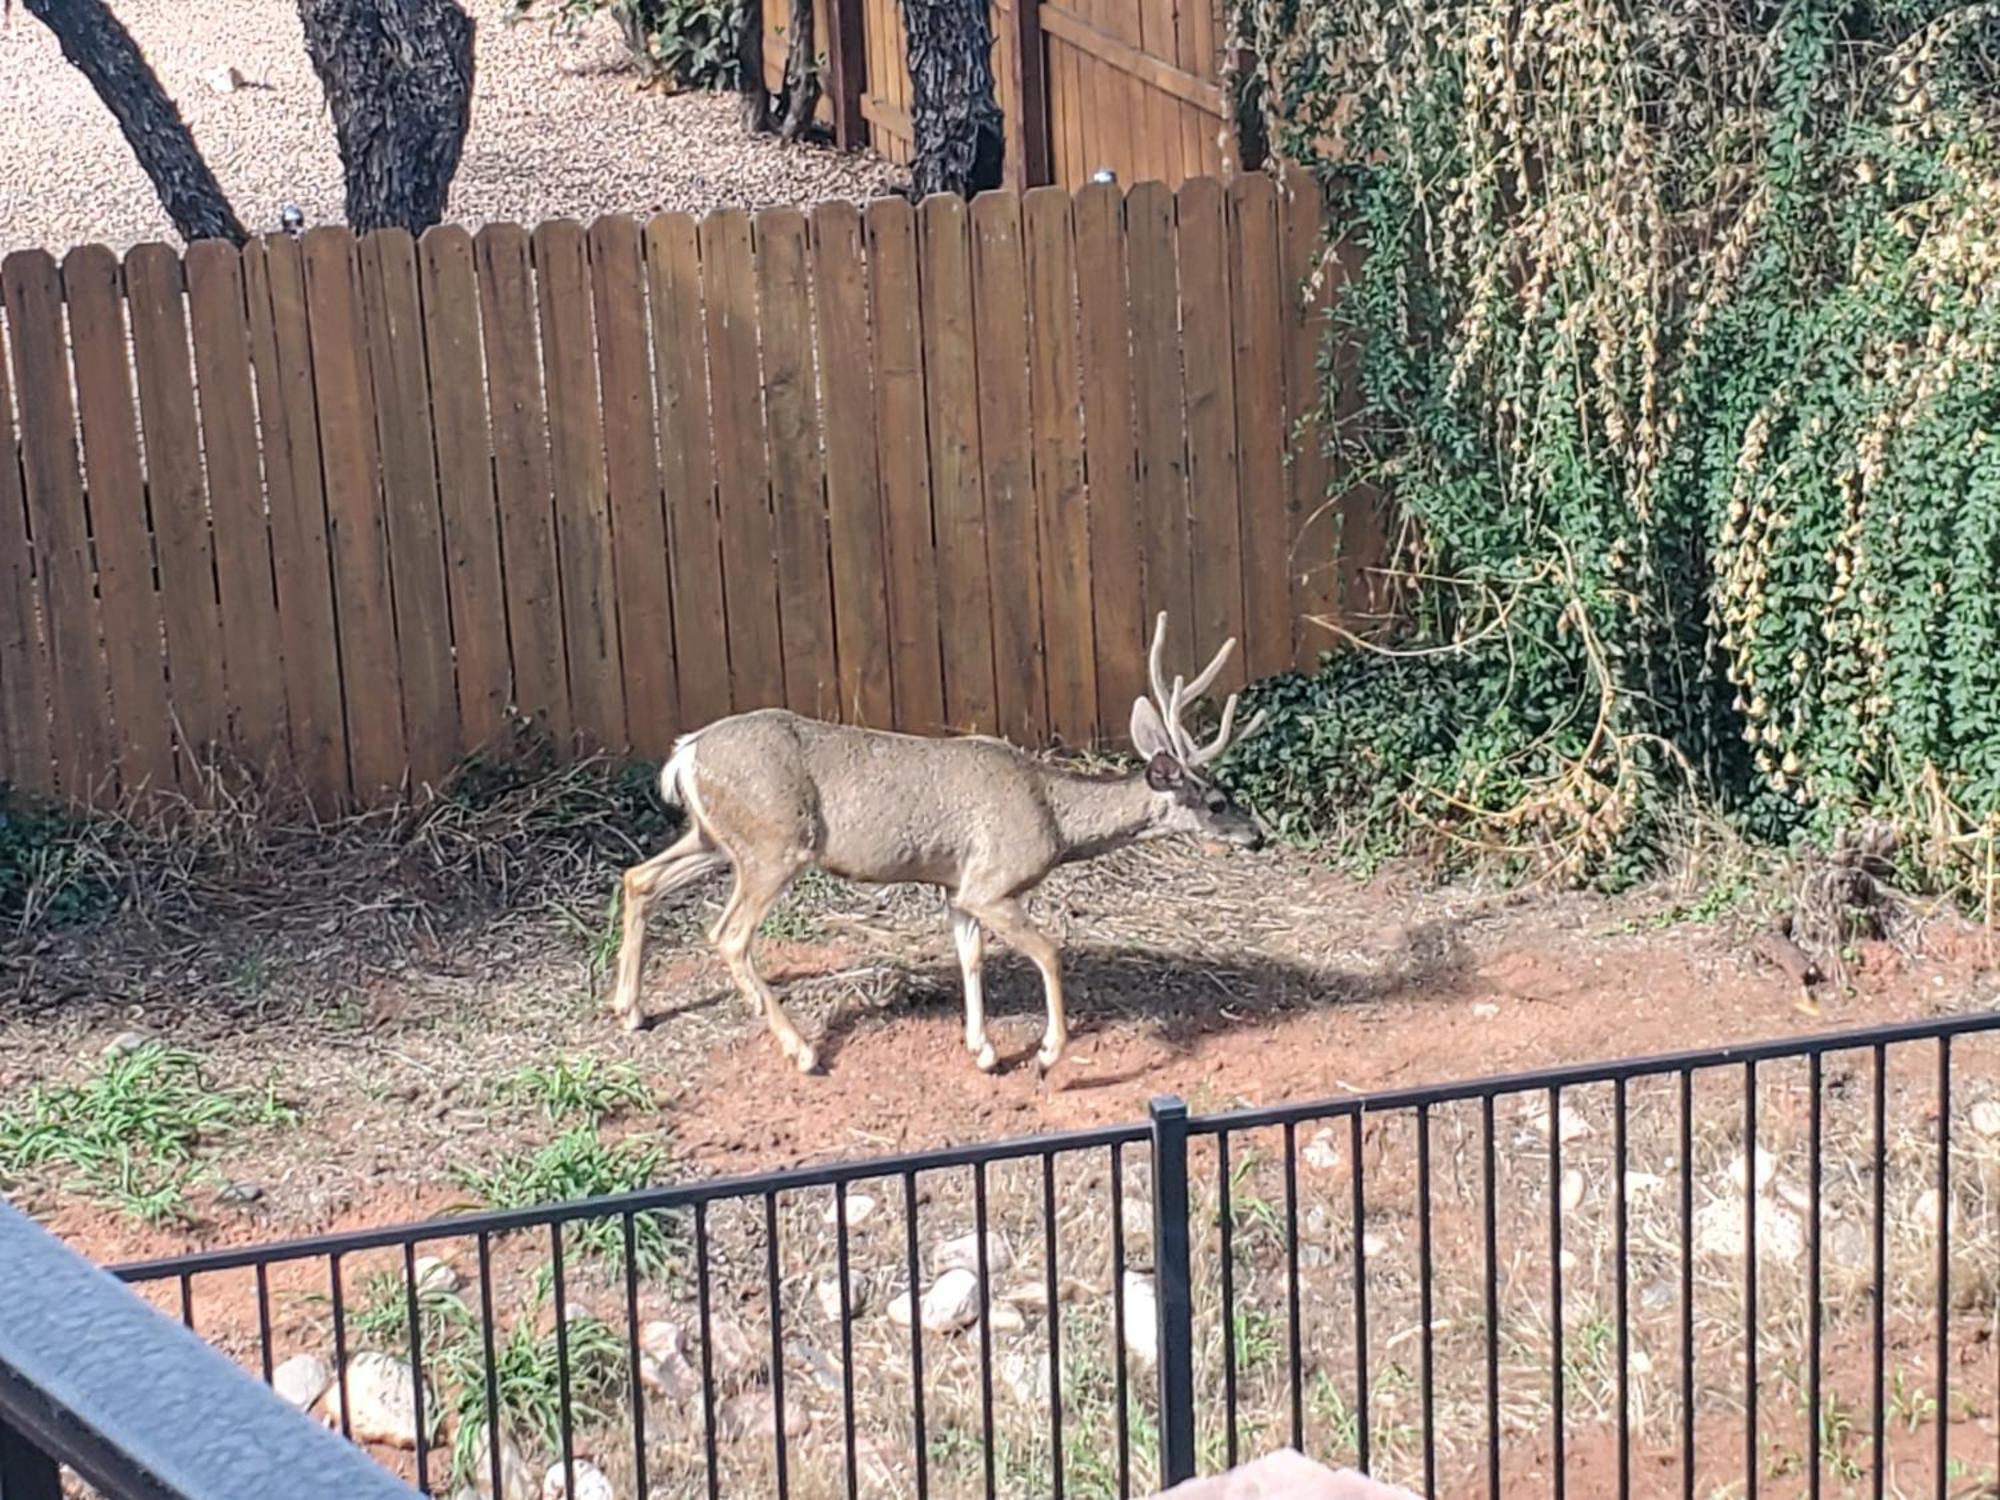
(801, 72)
(99, 47)
(755, 98)
(960, 147)
(398, 81)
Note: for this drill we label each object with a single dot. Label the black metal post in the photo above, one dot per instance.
(26, 1473)
(1175, 1296)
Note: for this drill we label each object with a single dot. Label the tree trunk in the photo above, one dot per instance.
(99, 47)
(959, 144)
(756, 99)
(398, 81)
(801, 72)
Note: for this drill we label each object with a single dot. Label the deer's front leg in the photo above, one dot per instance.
(971, 941)
(1011, 925)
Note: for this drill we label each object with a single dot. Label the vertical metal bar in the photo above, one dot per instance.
(26, 1473)
(632, 1354)
(1176, 1306)
(1879, 1294)
(1622, 1249)
(1489, 1233)
(340, 1343)
(979, 1221)
(1118, 1345)
(1943, 1418)
(775, 1290)
(1687, 1283)
(846, 1339)
(565, 1417)
(703, 1307)
(1557, 1477)
(187, 1301)
(1750, 1465)
(1055, 1318)
(1426, 1340)
(491, 1366)
(1813, 1271)
(264, 1319)
(1295, 1362)
(1363, 1418)
(1225, 1218)
(916, 1332)
(413, 1309)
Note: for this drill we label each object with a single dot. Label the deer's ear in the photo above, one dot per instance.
(1149, 730)
(1163, 772)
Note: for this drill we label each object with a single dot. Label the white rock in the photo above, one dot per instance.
(516, 1478)
(435, 1275)
(899, 1309)
(1642, 1362)
(302, 1380)
(1718, 1230)
(738, 1361)
(951, 1303)
(1798, 1197)
(663, 1362)
(1142, 1318)
(1985, 1117)
(859, 1207)
(1639, 1183)
(1567, 1260)
(1136, 1217)
(123, 1043)
(826, 1291)
(751, 1415)
(1027, 1376)
(1373, 1244)
(1767, 1168)
(1572, 1190)
(381, 1401)
(225, 80)
(1005, 1317)
(1035, 1294)
(1927, 1210)
(591, 1483)
(962, 1254)
(1573, 1125)
(1320, 1152)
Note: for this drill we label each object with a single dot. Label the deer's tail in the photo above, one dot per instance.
(676, 786)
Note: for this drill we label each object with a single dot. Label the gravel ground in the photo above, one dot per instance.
(557, 129)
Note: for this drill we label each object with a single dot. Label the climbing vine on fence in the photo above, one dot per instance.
(1678, 323)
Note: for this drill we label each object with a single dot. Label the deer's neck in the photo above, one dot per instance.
(1094, 816)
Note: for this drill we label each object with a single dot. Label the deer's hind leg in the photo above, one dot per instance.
(1009, 922)
(759, 883)
(971, 943)
(688, 858)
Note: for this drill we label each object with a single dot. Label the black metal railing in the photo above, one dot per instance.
(1646, 1277)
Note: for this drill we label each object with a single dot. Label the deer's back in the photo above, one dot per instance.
(875, 806)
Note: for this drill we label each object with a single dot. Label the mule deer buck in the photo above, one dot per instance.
(768, 794)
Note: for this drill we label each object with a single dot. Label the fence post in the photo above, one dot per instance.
(26, 1473)
(1176, 1302)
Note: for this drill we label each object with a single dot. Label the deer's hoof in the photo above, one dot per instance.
(1049, 1056)
(631, 1020)
(805, 1058)
(987, 1058)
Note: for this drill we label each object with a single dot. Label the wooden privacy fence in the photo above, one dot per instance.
(349, 508)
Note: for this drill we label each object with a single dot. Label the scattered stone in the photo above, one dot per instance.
(738, 1361)
(1567, 1260)
(1767, 1168)
(827, 1293)
(1718, 1230)
(225, 80)
(1135, 1217)
(1642, 1362)
(1927, 1210)
(951, 1303)
(1985, 1117)
(1142, 1318)
(859, 1207)
(1005, 1317)
(1320, 1151)
(825, 1373)
(516, 1478)
(1035, 1294)
(1373, 1244)
(302, 1380)
(238, 1194)
(1573, 1126)
(962, 1254)
(381, 1401)
(1572, 1190)
(1484, 1010)
(1655, 1295)
(1796, 1196)
(436, 1275)
(591, 1483)
(751, 1414)
(1638, 1184)
(663, 1362)
(1027, 1377)
(123, 1044)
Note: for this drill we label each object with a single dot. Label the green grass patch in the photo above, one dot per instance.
(577, 1165)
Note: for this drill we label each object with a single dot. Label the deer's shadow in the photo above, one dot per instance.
(1178, 997)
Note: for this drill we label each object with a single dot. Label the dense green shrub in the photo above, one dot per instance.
(1676, 329)
(50, 871)
(692, 43)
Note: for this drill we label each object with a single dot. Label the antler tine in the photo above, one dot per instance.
(1176, 731)
(1200, 684)
(1224, 738)
(1153, 667)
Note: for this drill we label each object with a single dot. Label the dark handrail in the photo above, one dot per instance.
(142, 1408)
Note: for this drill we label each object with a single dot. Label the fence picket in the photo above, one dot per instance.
(220, 331)
(916, 662)
(957, 499)
(1006, 448)
(1256, 327)
(644, 595)
(129, 603)
(798, 497)
(680, 367)
(1160, 418)
(356, 531)
(853, 501)
(79, 687)
(25, 753)
(1067, 630)
(455, 367)
(507, 323)
(1315, 534)
(281, 353)
(583, 509)
(749, 572)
